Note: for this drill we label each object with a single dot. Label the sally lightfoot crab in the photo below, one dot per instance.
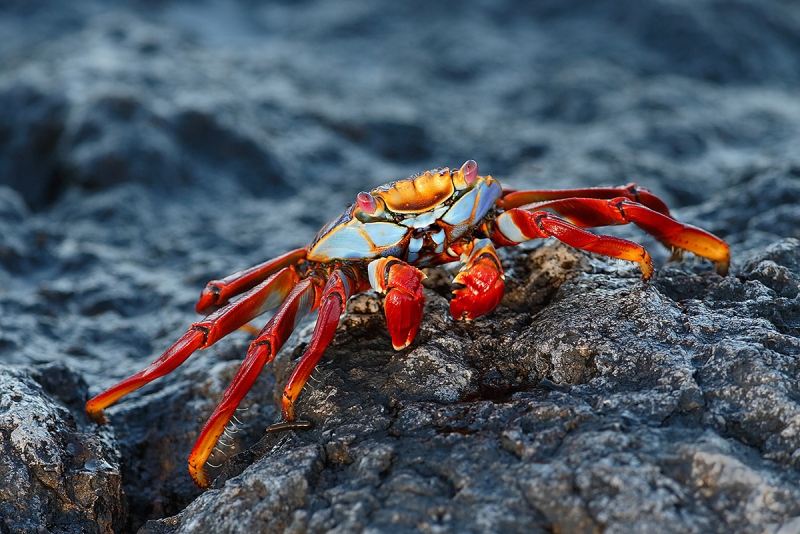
(381, 242)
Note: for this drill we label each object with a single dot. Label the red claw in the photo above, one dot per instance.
(402, 284)
(483, 292)
(403, 316)
(483, 281)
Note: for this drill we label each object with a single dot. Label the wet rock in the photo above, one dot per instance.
(31, 123)
(15, 246)
(146, 149)
(393, 140)
(101, 119)
(56, 474)
(770, 194)
(613, 399)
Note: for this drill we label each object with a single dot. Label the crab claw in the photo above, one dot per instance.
(402, 284)
(483, 280)
(403, 316)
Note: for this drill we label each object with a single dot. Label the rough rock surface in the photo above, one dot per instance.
(148, 148)
(56, 474)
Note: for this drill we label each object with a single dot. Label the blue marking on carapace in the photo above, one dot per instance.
(356, 240)
(461, 213)
(423, 220)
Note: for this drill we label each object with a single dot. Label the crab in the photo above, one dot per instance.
(381, 242)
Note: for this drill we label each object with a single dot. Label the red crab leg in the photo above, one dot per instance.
(200, 335)
(343, 283)
(517, 225)
(632, 192)
(402, 284)
(587, 213)
(217, 293)
(482, 276)
(302, 299)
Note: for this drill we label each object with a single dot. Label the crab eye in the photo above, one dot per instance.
(367, 202)
(470, 171)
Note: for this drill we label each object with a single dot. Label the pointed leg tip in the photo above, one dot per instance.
(199, 476)
(287, 407)
(96, 416)
(401, 346)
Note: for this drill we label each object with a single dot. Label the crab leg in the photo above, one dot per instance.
(587, 213)
(217, 293)
(402, 284)
(303, 298)
(205, 333)
(518, 225)
(343, 283)
(482, 276)
(632, 192)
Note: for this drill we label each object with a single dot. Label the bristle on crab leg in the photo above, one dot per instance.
(343, 283)
(302, 299)
(205, 333)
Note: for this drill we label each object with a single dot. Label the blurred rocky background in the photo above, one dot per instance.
(148, 147)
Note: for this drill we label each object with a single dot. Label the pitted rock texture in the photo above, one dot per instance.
(146, 148)
(611, 400)
(55, 475)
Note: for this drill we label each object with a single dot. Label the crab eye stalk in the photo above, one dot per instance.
(367, 203)
(370, 207)
(465, 175)
(470, 171)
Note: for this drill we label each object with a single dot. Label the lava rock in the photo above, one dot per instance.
(612, 399)
(146, 149)
(56, 474)
(31, 123)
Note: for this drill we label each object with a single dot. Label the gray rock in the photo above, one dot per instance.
(146, 149)
(55, 475)
(613, 399)
(31, 124)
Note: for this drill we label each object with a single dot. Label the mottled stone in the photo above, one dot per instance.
(56, 474)
(146, 148)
